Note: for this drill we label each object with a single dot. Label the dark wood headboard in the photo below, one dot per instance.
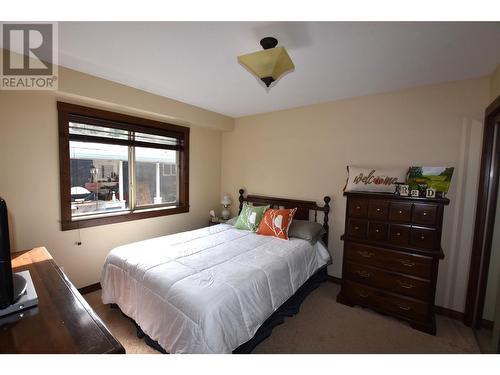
(303, 212)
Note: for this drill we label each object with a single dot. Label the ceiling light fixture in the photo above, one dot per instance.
(269, 65)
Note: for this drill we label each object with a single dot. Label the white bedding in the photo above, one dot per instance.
(207, 290)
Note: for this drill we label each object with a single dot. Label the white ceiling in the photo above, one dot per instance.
(196, 62)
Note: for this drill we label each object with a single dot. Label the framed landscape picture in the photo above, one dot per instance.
(438, 178)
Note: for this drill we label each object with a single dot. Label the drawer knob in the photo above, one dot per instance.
(365, 254)
(405, 284)
(358, 207)
(376, 231)
(404, 307)
(425, 214)
(356, 228)
(400, 212)
(406, 263)
(378, 209)
(362, 294)
(398, 234)
(422, 237)
(364, 274)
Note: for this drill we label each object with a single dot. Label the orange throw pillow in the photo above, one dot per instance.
(276, 222)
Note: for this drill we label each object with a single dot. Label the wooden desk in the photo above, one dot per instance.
(63, 322)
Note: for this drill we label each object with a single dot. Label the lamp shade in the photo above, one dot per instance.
(226, 200)
(269, 64)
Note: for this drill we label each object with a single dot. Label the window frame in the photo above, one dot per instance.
(66, 113)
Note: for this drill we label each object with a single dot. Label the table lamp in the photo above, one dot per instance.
(226, 202)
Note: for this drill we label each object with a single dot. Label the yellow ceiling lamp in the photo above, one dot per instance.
(269, 65)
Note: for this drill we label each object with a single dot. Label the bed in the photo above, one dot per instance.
(216, 289)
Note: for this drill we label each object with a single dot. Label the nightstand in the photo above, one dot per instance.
(215, 221)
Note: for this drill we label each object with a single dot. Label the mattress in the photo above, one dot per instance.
(207, 290)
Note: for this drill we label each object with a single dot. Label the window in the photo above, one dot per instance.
(117, 168)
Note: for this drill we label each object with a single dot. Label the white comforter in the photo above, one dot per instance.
(207, 290)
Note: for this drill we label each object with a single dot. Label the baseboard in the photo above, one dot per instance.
(449, 313)
(90, 288)
(488, 324)
(334, 279)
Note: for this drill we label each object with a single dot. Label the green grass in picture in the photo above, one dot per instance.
(438, 178)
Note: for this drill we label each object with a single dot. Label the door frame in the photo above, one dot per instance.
(485, 218)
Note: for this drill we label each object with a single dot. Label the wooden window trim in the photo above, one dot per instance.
(122, 121)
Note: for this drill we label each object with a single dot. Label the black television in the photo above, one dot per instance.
(6, 280)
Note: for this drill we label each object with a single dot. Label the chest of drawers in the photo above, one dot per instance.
(392, 248)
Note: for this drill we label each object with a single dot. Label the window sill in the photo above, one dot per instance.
(119, 217)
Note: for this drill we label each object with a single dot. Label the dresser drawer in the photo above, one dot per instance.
(406, 285)
(358, 207)
(371, 297)
(400, 212)
(424, 214)
(357, 228)
(399, 235)
(377, 231)
(392, 260)
(378, 209)
(423, 238)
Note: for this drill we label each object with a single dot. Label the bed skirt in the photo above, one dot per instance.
(289, 308)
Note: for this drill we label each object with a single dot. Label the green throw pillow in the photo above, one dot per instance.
(250, 217)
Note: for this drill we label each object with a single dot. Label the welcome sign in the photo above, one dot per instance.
(374, 179)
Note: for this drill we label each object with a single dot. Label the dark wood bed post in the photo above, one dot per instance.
(326, 210)
(242, 191)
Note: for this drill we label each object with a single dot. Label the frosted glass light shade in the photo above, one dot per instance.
(269, 64)
(226, 200)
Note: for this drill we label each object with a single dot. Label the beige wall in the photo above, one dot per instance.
(76, 86)
(302, 153)
(495, 84)
(29, 170)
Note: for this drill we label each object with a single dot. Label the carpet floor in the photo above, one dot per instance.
(325, 326)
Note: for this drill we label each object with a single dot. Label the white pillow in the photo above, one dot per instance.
(382, 180)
